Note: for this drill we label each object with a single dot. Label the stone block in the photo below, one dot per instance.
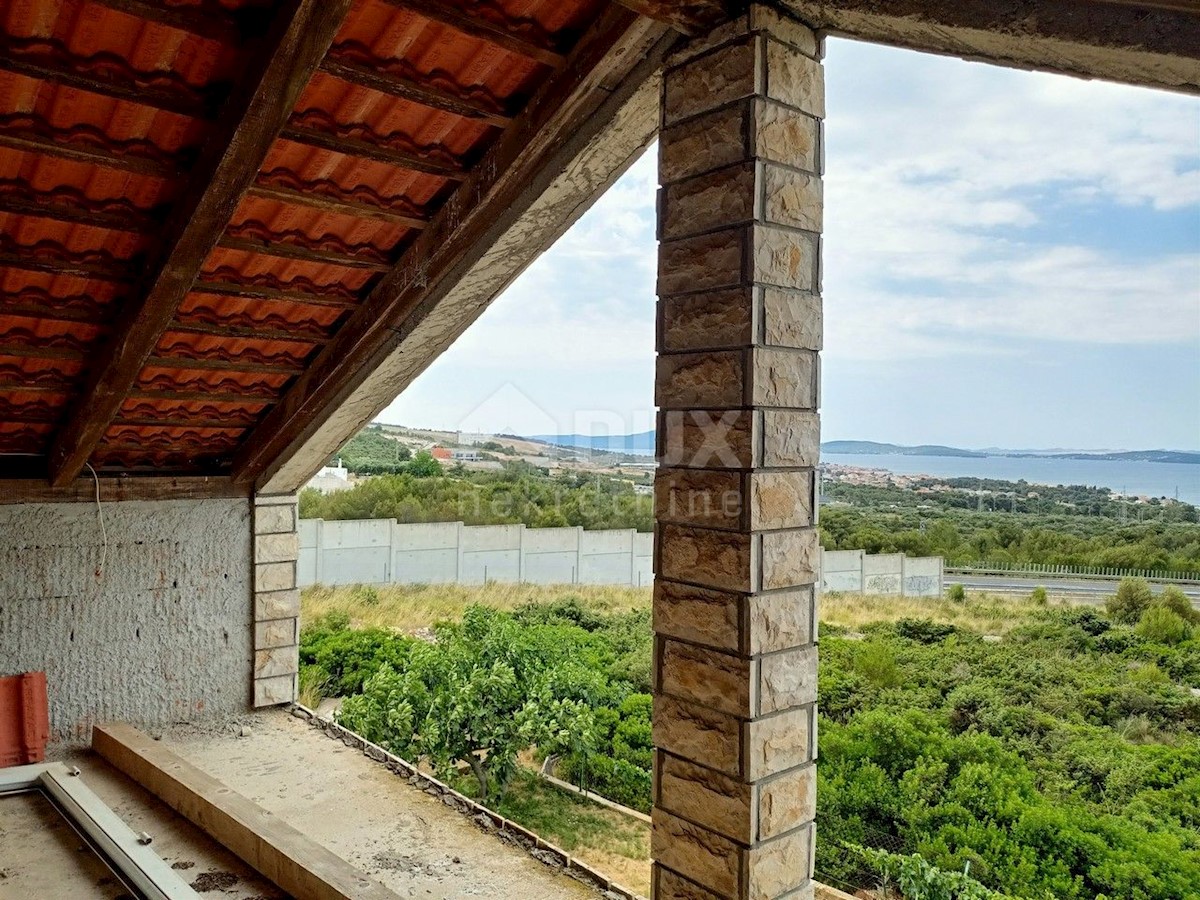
(790, 558)
(705, 263)
(710, 321)
(712, 618)
(786, 378)
(787, 679)
(780, 620)
(274, 518)
(276, 661)
(276, 605)
(276, 633)
(714, 200)
(776, 867)
(714, 79)
(786, 801)
(785, 135)
(717, 680)
(270, 548)
(704, 735)
(718, 802)
(711, 439)
(781, 257)
(791, 438)
(705, 143)
(795, 79)
(708, 497)
(276, 576)
(792, 318)
(781, 500)
(779, 742)
(669, 885)
(716, 559)
(710, 859)
(785, 29)
(274, 691)
(700, 380)
(792, 198)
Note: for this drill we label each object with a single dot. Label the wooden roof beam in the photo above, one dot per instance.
(391, 150)
(521, 37)
(327, 196)
(299, 37)
(67, 204)
(355, 64)
(47, 59)
(29, 133)
(564, 112)
(208, 19)
(687, 16)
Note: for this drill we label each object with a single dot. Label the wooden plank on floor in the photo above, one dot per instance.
(297, 864)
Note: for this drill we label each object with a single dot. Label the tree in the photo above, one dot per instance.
(423, 465)
(483, 692)
(1132, 598)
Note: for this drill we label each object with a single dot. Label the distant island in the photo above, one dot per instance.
(643, 443)
(871, 448)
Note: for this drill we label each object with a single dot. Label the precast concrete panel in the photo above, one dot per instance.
(480, 566)
(425, 566)
(923, 577)
(842, 570)
(426, 536)
(551, 568)
(883, 574)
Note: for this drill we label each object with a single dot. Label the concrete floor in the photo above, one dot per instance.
(402, 837)
(42, 858)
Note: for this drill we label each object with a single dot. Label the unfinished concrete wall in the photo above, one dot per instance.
(148, 620)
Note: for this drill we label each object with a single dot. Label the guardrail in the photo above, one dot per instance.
(1091, 572)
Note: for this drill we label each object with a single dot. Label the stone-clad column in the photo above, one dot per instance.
(276, 600)
(737, 385)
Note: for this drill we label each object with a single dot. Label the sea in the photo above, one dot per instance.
(1135, 478)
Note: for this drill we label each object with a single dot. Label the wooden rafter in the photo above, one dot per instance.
(30, 133)
(67, 204)
(216, 396)
(522, 38)
(298, 247)
(53, 258)
(299, 37)
(225, 365)
(354, 63)
(564, 108)
(329, 197)
(107, 74)
(392, 150)
(688, 16)
(253, 291)
(207, 19)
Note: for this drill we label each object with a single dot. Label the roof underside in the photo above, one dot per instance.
(105, 110)
(216, 214)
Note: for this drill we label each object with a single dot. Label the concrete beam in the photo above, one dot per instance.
(1152, 44)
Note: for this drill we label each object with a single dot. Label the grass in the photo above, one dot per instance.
(408, 607)
(614, 843)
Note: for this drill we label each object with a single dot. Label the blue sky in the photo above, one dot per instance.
(1011, 259)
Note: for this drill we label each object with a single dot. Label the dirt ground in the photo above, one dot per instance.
(402, 837)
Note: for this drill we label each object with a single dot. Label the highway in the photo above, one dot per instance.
(1082, 588)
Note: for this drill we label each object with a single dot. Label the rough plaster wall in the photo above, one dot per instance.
(437, 322)
(162, 635)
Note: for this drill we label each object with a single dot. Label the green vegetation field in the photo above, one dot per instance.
(1060, 758)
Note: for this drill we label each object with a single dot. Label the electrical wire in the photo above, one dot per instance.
(100, 517)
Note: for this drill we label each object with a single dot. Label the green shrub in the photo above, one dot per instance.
(1132, 598)
(923, 631)
(957, 593)
(618, 780)
(1039, 596)
(1164, 626)
(1174, 599)
(343, 658)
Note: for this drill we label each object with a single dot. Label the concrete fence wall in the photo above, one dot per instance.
(382, 551)
(856, 572)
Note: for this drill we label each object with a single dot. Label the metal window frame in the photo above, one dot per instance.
(143, 872)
